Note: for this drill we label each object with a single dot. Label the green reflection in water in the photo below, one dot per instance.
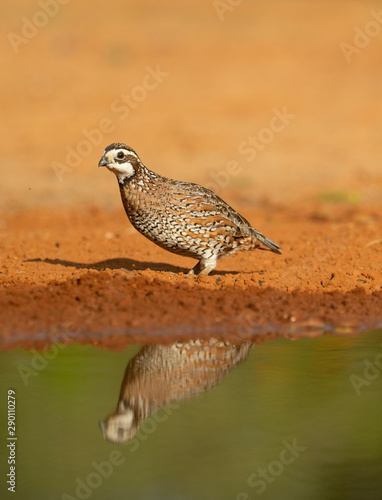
(297, 420)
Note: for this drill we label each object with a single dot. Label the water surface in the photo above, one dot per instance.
(282, 419)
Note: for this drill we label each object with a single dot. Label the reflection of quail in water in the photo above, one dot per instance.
(161, 374)
(184, 218)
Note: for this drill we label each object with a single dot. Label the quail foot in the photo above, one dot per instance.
(181, 217)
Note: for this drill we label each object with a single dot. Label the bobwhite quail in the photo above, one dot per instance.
(163, 374)
(182, 217)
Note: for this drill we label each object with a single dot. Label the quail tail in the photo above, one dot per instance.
(263, 243)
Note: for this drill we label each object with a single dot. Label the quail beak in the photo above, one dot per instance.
(103, 162)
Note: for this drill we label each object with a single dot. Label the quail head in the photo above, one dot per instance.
(182, 217)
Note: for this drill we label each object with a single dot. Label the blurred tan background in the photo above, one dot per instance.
(200, 80)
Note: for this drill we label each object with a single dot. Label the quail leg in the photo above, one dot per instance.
(204, 266)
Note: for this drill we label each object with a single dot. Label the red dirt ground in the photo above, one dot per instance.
(73, 268)
(87, 276)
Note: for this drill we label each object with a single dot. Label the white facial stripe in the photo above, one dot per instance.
(125, 420)
(122, 170)
(126, 168)
(121, 421)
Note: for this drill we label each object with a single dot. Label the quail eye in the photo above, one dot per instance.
(120, 155)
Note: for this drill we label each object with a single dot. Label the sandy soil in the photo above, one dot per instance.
(73, 268)
(83, 276)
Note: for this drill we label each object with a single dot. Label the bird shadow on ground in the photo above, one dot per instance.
(123, 263)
